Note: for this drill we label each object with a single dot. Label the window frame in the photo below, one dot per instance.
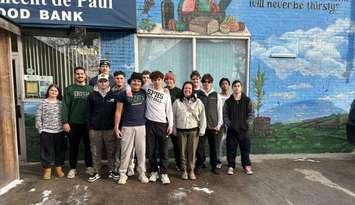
(194, 39)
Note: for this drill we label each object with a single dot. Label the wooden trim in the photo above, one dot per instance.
(8, 26)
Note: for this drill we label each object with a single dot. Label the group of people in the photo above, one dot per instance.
(134, 122)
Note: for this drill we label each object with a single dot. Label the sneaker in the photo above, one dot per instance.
(192, 175)
(215, 171)
(153, 176)
(130, 172)
(123, 179)
(71, 174)
(248, 170)
(113, 175)
(94, 177)
(144, 179)
(230, 171)
(219, 165)
(184, 175)
(165, 179)
(90, 171)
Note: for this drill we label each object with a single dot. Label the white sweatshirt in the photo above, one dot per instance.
(159, 108)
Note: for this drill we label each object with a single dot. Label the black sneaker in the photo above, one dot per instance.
(113, 175)
(215, 171)
(94, 177)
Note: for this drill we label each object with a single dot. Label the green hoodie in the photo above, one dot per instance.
(75, 103)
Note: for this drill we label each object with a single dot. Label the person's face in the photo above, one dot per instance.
(105, 69)
(225, 85)
(102, 84)
(158, 83)
(237, 88)
(136, 85)
(196, 81)
(207, 85)
(120, 80)
(80, 76)
(187, 90)
(170, 83)
(53, 92)
(145, 78)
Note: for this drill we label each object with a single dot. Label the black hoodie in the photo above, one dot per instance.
(238, 114)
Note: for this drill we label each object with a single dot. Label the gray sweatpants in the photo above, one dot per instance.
(97, 139)
(133, 138)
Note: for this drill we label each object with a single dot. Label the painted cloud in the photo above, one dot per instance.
(317, 51)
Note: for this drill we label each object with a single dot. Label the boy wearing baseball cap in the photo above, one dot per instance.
(101, 106)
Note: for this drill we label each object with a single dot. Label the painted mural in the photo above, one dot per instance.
(302, 63)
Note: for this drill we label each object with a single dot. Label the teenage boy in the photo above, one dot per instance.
(101, 106)
(175, 93)
(105, 69)
(214, 115)
(224, 85)
(75, 120)
(146, 78)
(196, 81)
(159, 125)
(120, 85)
(119, 77)
(130, 112)
(238, 116)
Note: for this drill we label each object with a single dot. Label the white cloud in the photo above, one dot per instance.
(344, 96)
(300, 86)
(285, 95)
(318, 53)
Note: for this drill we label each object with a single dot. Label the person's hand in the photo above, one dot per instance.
(169, 131)
(129, 92)
(118, 133)
(66, 127)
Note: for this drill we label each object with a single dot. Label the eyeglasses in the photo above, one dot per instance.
(207, 82)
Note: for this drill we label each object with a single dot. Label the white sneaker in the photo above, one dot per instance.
(123, 179)
(230, 171)
(153, 176)
(71, 174)
(144, 179)
(90, 171)
(165, 179)
(94, 177)
(130, 172)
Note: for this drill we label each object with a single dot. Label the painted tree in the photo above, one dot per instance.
(259, 91)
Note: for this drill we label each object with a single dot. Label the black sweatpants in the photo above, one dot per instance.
(177, 155)
(50, 142)
(78, 131)
(157, 145)
(233, 140)
(211, 136)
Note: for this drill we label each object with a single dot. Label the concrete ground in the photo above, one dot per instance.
(277, 179)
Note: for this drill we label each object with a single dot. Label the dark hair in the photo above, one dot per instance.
(156, 74)
(207, 76)
(146, 72)
(195, 73)
(224, 79)
(237, 81)
(59, 97)
(79, 68)
(182, 91)
(116, 73)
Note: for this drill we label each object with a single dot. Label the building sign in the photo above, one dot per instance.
(68, 13)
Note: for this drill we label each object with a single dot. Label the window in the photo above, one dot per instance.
(222, 57)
